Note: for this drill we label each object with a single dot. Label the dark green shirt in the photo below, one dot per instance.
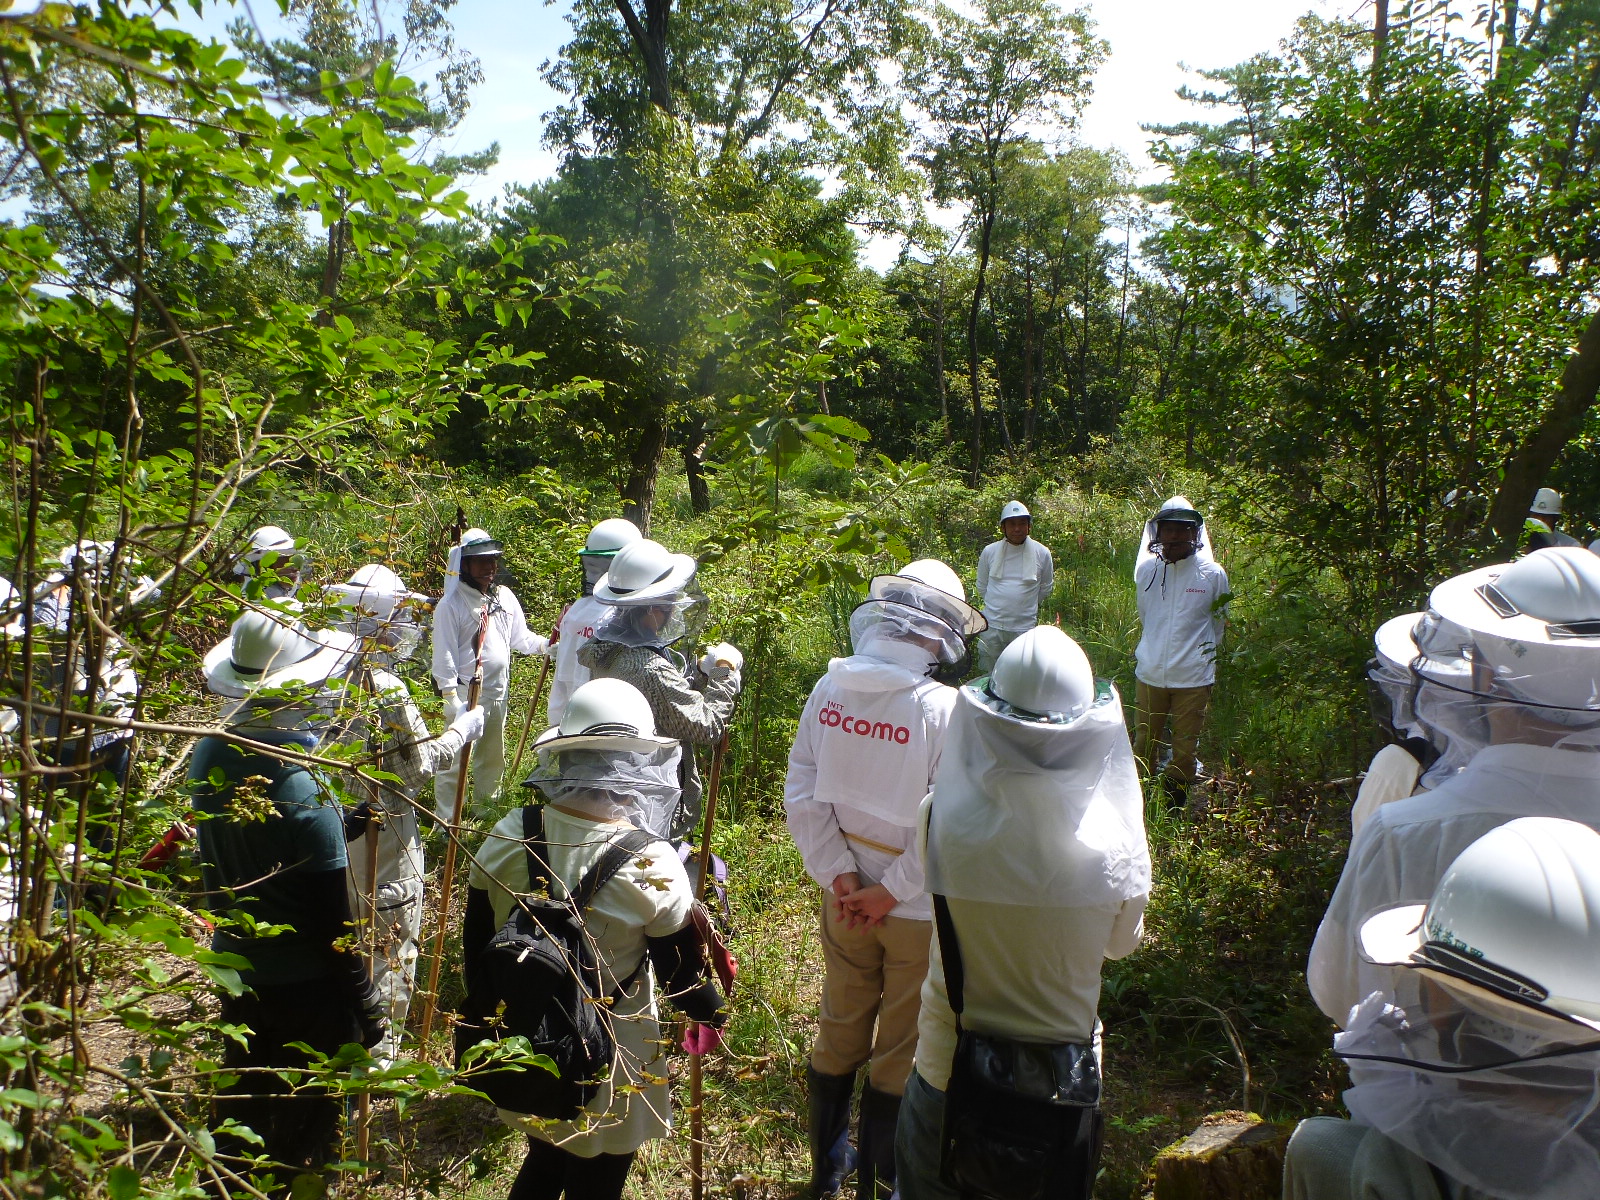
(273, 864)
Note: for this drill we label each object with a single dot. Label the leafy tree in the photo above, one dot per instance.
(982, 81)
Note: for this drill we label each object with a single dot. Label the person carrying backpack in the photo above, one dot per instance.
(609, 785)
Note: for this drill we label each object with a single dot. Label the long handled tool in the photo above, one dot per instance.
(696, 1075)
(364, 1103)
(430, 998)
(527, 725)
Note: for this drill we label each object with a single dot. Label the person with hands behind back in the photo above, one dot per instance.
(864, 756)
(605, 775)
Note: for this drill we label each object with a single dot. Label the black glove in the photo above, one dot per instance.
(357, 820)
(372, 1021)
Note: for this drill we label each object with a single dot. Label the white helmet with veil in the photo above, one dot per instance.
(383, 613)
(918, 618)
(606, 761)
(1037, 798)
(651, 595)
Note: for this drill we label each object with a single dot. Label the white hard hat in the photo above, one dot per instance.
(477, 543)
(1535, 623)
(611, 535)
(604, 714)
(1044, 676)
(1547, 501)
(272, 650)
(269, 539)
(644, 571)
(1014, 508)
(1179, 509)
(374, 589)
(1513, 926)
(931, 586)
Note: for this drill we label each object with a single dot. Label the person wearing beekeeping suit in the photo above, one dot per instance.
(1405, 691)
(1543, 526)
(1527, 635)
(272, 845)
(604, 773)
(1015, 576)
(474, 606)
(1484, 1084)
(270, 563)
(385, 850)
(576, 627)
(864, 754)
(1181, 592)
(1039, 870)
(654, 611)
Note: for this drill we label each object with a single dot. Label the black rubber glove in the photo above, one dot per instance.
(358, 820)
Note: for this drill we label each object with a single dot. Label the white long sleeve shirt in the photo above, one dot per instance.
(863, 758)
(1181, 620)
(1403, 849)
(577, 627)
(1014, 581)
(455, 629)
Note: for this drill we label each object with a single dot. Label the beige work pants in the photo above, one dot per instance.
(874, 978)
(1185, 710)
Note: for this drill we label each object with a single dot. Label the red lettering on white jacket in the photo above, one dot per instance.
(834, 717)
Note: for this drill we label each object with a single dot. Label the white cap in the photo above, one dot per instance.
(267, 650)
(1044, 673)
(604, 714)
(931, 586)
(642, 572)
(269, 539)
(1014, 508)
(374, 589)
(1547, 501)
(1514, 924)
(611, 535)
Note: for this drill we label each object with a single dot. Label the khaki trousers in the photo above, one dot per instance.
(1185, 709)
(874, 977)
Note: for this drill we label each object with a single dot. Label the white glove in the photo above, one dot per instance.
(452, 706)
(469, 725)
(721, 655)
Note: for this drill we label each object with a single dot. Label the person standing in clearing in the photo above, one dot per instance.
(469, 589)
(864, 755)
(1015, 576)
(575, 629)
(1182, 593)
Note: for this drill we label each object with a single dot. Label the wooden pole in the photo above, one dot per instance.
(527, 725)
(430, 998)
(696, 1075)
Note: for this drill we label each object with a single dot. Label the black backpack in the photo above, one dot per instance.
(538, 979)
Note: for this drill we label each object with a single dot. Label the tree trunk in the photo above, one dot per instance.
(650, 36)
(1528, 465)
(985, 229)
(332, 269)
(644, 465)
(938, 366)
(694, 459)
(1030, 405)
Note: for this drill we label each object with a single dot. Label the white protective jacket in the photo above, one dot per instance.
(1182, 625)
(455, 629)
(863, 758)
(1403, 849)
(1013, 581)
(576, 627)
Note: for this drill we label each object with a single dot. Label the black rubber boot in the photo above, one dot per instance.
(832, 1156)
(880, 1113)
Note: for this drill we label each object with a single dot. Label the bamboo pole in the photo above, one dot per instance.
(527, 725)
(696, 1074)
(430, 998)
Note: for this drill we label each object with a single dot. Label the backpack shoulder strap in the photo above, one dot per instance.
(614, 858)
(540, 876)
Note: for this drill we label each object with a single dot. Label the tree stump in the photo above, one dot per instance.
(1231, 1156)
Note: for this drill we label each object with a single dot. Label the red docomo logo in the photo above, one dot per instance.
(835, 717)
